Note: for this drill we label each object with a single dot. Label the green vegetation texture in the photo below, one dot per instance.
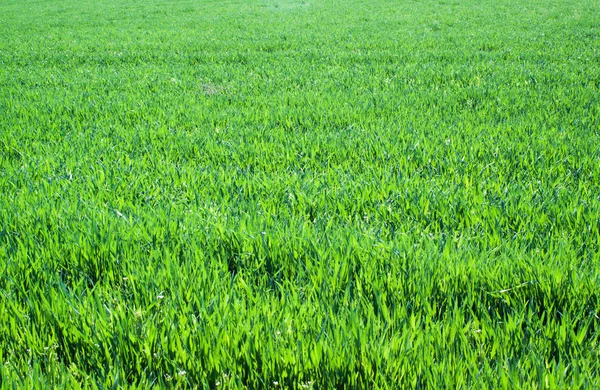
(300, 194)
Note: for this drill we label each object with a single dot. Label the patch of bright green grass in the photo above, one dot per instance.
(381, 194)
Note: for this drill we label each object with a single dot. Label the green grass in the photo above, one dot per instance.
(308, 194)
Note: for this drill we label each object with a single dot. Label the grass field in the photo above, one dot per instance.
(300, 194)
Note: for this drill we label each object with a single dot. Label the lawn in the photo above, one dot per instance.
(300, 194)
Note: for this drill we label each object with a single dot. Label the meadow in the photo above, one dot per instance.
(300, 194)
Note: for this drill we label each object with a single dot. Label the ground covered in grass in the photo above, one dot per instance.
(300, 194)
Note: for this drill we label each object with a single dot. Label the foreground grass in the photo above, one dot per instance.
(303, 194)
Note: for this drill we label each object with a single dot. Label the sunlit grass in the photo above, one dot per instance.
(301, 194)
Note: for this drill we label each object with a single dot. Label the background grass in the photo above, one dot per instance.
(300, 194)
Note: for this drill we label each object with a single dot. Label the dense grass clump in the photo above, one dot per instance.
(300, 194)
